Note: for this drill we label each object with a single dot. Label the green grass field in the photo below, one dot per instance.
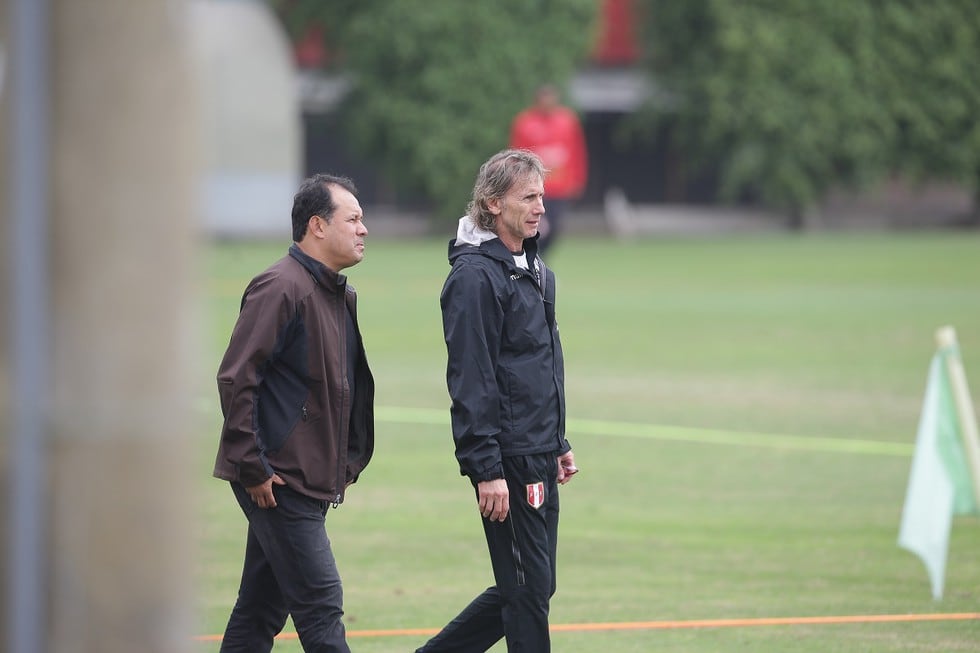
(743, 412)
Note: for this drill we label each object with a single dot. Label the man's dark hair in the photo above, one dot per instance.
(314, 198)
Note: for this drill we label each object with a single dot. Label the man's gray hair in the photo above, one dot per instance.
(496, 177)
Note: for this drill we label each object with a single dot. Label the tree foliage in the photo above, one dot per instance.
(930, 79)
(437, 82)
(787, 98)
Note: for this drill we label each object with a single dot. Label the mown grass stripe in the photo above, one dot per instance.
(407, 415)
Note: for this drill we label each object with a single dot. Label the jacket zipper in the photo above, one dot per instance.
(541, 280)
(342, 454)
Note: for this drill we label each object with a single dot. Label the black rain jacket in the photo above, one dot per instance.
(505, 371)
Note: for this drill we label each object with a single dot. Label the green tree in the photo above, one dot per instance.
(435, 83)
(788, 98)
(931, 82)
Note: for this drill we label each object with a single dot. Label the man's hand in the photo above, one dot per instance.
(262, 494)
(566, 467)
(494, 498)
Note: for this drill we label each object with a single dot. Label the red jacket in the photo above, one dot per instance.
(557, 138)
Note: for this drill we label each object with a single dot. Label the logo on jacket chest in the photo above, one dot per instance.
(535, 494)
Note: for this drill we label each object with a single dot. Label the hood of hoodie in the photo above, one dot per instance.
(468, 233)
(471, 239)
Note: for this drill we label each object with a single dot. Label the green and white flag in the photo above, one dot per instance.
(941, 482)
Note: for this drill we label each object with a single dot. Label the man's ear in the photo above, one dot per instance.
(493, 205)
(315, 225)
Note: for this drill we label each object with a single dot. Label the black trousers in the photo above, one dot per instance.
(523, 549)
(289, 570)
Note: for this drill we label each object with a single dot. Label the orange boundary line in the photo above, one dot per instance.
(669, 625)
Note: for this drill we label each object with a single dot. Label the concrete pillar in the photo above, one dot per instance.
(122, 257)
(4, 307)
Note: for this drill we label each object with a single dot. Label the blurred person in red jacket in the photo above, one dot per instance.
(554, 133)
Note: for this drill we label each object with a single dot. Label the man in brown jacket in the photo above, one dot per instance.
(297, 398)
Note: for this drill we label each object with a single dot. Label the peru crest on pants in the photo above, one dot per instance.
(535, 494)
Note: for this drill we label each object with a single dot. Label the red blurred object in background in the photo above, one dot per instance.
(616, 45)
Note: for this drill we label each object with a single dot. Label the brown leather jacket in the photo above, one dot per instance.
(285, 388)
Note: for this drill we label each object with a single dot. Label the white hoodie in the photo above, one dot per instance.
(469, 233)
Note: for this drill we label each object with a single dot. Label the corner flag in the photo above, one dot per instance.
(945, 475)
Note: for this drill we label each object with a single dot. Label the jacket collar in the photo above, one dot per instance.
(321, 274)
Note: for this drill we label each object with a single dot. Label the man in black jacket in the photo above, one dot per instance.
(506, 379)
(298, 403)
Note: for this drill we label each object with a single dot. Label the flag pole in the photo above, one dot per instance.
(946, 339)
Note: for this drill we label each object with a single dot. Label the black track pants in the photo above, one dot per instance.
(523, 549)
